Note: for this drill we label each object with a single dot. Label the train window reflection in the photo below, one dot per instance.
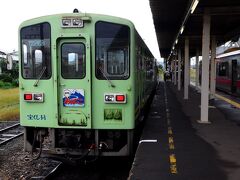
(115, 62)
(112, 50)
(38, 56)
(73, 60)
(36, 53)
(25, 54)
(223, 69)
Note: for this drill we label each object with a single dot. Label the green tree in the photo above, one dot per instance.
(8, 76)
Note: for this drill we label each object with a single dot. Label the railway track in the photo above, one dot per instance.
(50, 172)
(9, 133)
(101, 169)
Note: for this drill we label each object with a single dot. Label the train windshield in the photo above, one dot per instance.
(35, 50)
(112, 50)
(73, 60)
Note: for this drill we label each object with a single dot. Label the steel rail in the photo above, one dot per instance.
(51, 174)
(9, 127)
(8, 137)
(11, 138)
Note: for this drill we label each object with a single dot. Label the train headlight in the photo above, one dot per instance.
(109, 98)
(77, 22)
(38, 97)
(69, 22)
(66, 22)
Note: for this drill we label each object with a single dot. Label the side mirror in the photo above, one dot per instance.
(9, 62)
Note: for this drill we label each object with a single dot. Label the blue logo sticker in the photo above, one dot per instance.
(73, 98)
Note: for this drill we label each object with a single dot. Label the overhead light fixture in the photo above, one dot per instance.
(176, 41)
(195, 3)
(182, 29)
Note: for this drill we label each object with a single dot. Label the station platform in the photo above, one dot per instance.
(174, 145)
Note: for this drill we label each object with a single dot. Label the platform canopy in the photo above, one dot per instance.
(170, 16)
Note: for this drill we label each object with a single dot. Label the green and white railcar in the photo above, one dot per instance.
(84, 80)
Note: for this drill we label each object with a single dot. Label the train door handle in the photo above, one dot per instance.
(62, 84)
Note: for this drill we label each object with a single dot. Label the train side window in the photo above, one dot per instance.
(223, 69)
(237, 69)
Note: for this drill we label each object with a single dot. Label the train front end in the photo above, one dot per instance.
(77, 85)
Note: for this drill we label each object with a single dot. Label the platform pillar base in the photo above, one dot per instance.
(203, 122)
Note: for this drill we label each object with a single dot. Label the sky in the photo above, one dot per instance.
(14, 12)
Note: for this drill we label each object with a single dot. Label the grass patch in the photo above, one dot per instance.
(9, 104)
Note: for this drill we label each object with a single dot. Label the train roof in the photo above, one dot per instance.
(84, 16)
(229, 54)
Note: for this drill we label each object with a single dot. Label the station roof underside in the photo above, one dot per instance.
(169, 16)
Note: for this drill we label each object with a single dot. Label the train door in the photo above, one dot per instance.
(74, 80)
(234, 76)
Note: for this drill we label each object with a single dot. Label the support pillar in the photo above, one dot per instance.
(205, 66)
(172, 72)
(186, 68)
(197, 68)
(179, 69)
(213, 69)
(175, 70)
(165, 64)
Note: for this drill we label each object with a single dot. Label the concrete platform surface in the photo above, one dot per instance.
(175, 146)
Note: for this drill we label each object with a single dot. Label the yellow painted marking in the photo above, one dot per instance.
(237, 105)
(172, 158)
(173, 168)
(173, 164)
(171, 146)
(170, 140)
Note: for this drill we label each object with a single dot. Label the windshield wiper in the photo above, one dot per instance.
(110, 82)
(39, 77)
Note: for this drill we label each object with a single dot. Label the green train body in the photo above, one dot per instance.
(84, 80)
